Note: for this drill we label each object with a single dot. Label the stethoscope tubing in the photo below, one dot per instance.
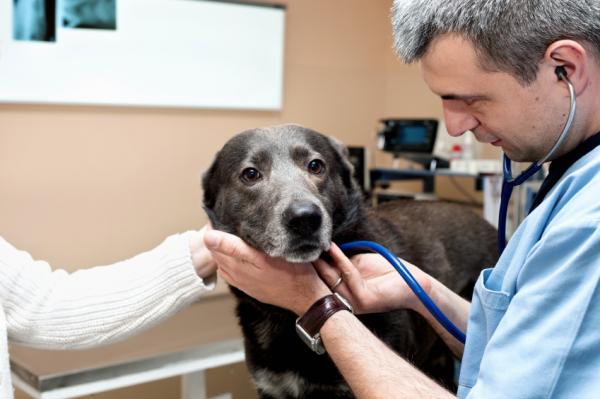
(410, 281)
(509, 182)
(507, 186)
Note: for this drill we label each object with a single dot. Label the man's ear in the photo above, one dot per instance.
(574, 58)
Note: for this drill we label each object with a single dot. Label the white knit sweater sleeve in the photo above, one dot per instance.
(57, 309)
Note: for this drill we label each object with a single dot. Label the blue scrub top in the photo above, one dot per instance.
(534, 325)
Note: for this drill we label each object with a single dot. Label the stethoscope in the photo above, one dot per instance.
(509, 182)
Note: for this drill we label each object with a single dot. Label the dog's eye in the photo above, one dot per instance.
(316, 167)
(251, 175)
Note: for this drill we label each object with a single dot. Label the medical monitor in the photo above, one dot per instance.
(412, 136)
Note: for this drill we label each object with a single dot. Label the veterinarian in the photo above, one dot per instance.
(57, 310)
(507, 72)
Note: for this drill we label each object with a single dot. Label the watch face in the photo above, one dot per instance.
(314, 343)
(315, 317)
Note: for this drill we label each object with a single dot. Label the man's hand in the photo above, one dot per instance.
(294, 286)
(370, 283)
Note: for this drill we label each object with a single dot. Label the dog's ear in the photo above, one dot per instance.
(210, 185)
(343, 157)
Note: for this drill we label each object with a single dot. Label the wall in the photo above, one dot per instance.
(82, 186)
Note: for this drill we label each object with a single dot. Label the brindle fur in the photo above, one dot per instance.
(448, 241)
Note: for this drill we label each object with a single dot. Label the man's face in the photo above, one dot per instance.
(524, 121)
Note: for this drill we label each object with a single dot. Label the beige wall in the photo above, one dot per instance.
(85, 185)
(81, 186)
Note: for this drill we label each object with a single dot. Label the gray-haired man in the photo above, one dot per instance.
(500, 68)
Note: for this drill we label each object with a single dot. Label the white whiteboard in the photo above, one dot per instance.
(181, 53)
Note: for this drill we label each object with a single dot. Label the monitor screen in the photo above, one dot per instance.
(408, 135)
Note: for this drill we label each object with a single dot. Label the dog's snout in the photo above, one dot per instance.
(303, 218)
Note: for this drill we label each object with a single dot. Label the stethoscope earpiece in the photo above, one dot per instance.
(561, 72)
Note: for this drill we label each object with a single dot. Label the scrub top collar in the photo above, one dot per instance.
(559, 166)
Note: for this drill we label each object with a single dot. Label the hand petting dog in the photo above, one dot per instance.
(293, 286)
(369, 282)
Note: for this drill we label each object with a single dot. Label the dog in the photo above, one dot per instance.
(289, 191)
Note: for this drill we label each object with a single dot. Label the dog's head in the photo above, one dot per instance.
(283, 190)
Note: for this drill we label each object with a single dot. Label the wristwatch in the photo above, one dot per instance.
(309, 325)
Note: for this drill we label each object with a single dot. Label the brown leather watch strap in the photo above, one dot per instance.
(320, 311)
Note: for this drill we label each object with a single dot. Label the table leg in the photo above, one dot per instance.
(193, 385)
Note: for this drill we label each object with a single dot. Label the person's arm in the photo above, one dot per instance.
(372, 285)
(56, 309)
(456, 310)
(372, 369)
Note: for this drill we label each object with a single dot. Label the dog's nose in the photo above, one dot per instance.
(303, 218)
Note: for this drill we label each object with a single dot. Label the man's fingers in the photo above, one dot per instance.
(227, 277)
(222, 273)
(328, 273)
(350, 274)
(230, 245)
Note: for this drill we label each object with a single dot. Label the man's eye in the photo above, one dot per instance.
(251, 175)
(316, 167)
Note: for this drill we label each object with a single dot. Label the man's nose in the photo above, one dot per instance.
(458, 120)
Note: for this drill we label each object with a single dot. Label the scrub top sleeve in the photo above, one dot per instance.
(547, 345)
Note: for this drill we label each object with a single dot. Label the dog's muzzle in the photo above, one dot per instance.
(307, 231)
(303, 219)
